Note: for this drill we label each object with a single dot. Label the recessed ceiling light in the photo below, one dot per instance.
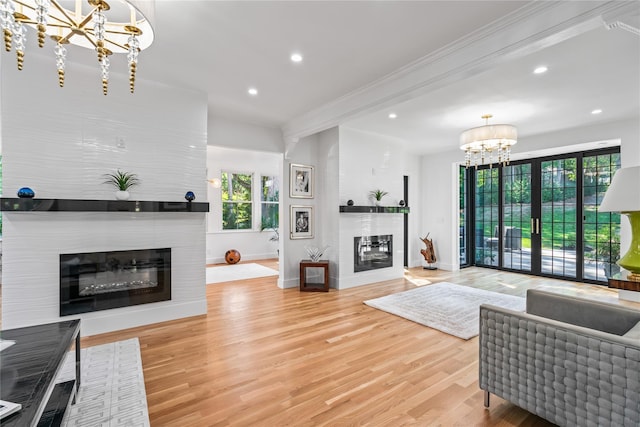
(296, 57)
(392, 115)
(596, 111)
(541, 69)
(252, 91)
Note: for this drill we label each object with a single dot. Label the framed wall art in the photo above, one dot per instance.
(301, 222)
(301, 181)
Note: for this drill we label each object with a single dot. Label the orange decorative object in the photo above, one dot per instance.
(232, 256)
(429, 252)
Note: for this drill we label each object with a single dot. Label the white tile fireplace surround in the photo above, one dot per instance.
(61, 145)
(33, 242)
(369, 224)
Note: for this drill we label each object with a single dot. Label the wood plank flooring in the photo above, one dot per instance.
(263, 356)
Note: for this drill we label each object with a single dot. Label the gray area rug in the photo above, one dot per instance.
(445, 306)
(111, 388)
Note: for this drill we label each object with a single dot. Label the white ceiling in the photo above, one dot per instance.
(599, 69)
(349, 47)
(223, 47)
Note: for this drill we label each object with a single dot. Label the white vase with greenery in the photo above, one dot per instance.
(377, 196)
(123, 181)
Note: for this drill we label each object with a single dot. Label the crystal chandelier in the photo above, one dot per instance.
(482, 142)
(116, 27)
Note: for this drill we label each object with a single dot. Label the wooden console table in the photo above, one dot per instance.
(314, 287)
(30, 367)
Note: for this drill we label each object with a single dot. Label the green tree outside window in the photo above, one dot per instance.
(270, 196)
(237, 205)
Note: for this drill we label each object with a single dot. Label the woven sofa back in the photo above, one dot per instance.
(600, 316)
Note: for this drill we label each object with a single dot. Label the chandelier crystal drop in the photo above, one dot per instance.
(481, 142)
(99, 20)
(7, 21)
(19, 42)
(104, 65)
(132, 59)
(61, 57)
(42, 9)
(117, 26)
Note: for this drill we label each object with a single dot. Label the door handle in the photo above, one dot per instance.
(535, 230)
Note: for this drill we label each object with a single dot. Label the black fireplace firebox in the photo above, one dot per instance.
(104, 280)
(372, 252)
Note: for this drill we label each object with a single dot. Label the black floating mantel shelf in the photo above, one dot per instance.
(13, 204)
(374, 209)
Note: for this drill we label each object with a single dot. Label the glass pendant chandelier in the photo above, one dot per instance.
(120, 26)
(484, 142)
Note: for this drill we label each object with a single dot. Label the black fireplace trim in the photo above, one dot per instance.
(15, 204)
(71, 302)
(359, 266)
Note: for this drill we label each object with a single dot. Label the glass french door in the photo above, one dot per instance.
(486, 216)
(558, 217)
(601, 230)
(516, 217)
(541, 216)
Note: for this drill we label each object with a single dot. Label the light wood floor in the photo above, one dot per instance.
(263, 356)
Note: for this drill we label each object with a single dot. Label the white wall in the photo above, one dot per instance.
(328, 220)
(60, 142)
(305, 152)
(440, 179)
(252, 244)
(367, 162)
(627, 131)
(438, 200)
(223, 132)
(347, 165)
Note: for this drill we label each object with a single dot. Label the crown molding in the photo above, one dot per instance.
(530, 28)
(627, 18)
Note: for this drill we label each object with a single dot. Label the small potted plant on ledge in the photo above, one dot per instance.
(377, 196)
(123, 181)
(272, 225)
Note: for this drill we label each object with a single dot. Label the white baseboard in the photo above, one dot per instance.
(113, 320)
(289, 283)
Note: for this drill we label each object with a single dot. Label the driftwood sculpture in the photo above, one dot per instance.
(428, 253)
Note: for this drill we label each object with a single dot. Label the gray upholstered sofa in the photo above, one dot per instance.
(564, 360)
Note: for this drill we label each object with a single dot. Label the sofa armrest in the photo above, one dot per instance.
(567, 374)
(605, 317)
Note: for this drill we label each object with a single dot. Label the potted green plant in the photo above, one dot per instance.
(123, 181)
(377, 196)
(273, 226)
(607, 255)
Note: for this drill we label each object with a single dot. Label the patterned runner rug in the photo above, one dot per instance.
(111, 387)
(445, 306)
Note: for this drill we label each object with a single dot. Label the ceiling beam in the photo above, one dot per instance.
(531, 28)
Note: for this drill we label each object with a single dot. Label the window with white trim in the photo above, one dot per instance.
(237, 204)
(269, 201)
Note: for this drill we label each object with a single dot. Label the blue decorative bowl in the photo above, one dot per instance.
(190, 196)
(26, 193)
